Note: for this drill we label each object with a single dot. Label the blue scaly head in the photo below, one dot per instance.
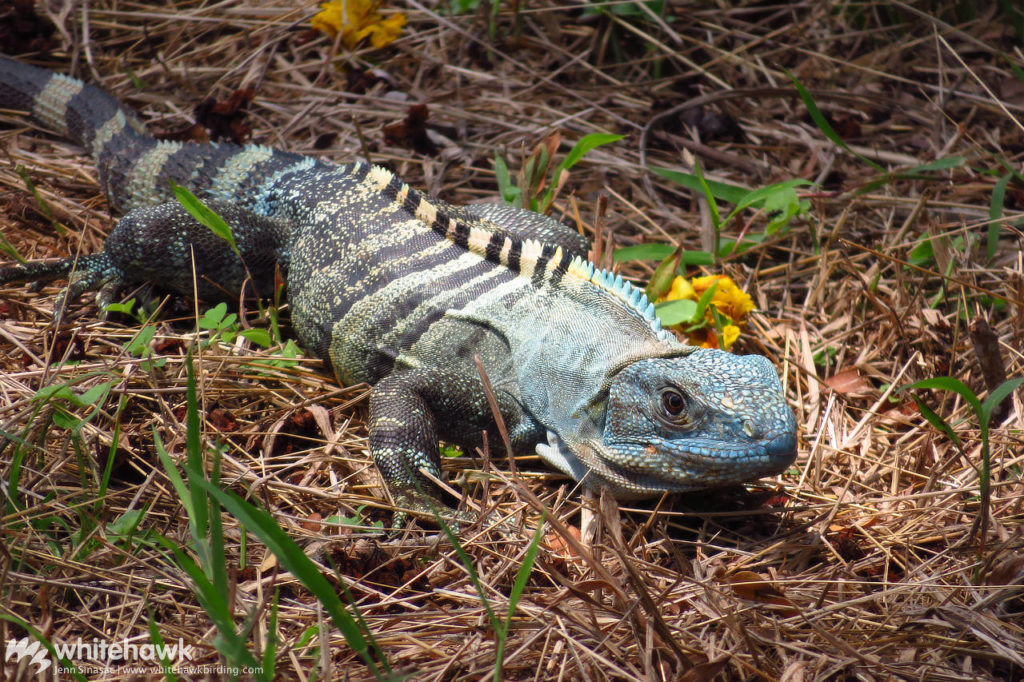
(697, 418)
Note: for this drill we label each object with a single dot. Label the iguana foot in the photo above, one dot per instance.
(92, 272)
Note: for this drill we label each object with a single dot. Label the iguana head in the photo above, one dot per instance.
(701, 419)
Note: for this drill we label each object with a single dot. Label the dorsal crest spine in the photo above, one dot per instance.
(541, 263)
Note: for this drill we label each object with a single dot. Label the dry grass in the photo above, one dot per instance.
(863, 562)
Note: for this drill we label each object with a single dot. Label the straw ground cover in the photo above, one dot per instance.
(892, 549)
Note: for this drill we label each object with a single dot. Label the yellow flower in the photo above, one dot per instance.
(730, 333)
(729, 300)
(358, 19)
(681, 289)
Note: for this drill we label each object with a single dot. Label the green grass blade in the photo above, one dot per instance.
(944, 163)
(995, 213)
(522, 576)
(936, 421)
(825, 127)
(199, 519)
(39, 637)
(716, 216)
(947, 384)
(584, 145)
(721, 321)
(157, 639)
(467, 563)
(720, 190)
(205, 215)
(762, 194)
(705, 301)
(44, 207)
(660, 252)
(697, 258)
(9, 250)
(22, 450)
(217, 567)
(270, 648)
(643, 252)
(211, 599)
(997, 396)
(108, 466)
(171, 469)
(291, 557)
(229, 642)
(578, 151)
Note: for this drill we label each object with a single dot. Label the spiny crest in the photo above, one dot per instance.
(622, 289)
(542, 263)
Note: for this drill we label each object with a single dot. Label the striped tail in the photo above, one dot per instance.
(65, 105)
(135, 169)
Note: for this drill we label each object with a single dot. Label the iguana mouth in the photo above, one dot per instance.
(652, 471)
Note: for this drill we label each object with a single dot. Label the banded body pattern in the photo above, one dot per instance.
(399, 289)
(375, 292)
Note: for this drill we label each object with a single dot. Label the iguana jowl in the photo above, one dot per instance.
(401, 290)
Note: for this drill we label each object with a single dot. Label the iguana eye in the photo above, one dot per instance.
(673, 402)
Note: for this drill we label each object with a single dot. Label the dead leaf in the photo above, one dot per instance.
(225, 119)
(705, 671)
(752, 587)
(412, 132)
(850, 382)
(222, 420)
(560, 547)
(312, 522)
(1007, 571)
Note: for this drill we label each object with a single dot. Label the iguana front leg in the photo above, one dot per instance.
(408, 411)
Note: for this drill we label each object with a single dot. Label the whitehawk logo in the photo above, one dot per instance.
(18, 649)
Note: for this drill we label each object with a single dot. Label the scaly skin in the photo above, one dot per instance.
(401, 290)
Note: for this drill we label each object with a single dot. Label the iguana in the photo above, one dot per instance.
(401, 290)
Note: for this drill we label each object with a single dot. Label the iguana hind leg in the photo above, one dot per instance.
(91, 272)
(156, 244)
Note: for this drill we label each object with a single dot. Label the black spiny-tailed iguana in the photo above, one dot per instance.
(401, 290)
